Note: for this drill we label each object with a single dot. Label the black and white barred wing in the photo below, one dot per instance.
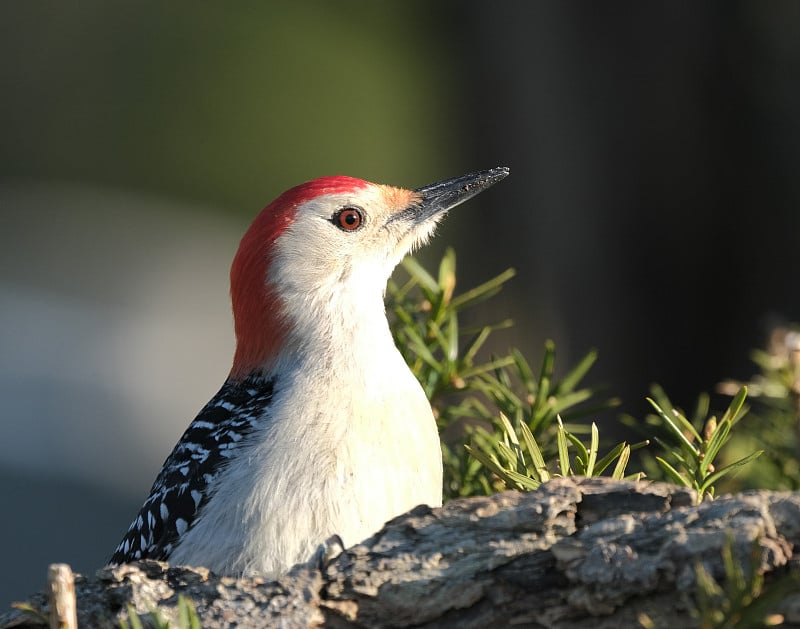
(182, 487)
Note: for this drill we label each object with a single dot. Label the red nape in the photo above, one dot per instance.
(257, 318)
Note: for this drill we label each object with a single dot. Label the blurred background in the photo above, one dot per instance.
(652, 212)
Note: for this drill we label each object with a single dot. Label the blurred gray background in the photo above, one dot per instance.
(652, 211)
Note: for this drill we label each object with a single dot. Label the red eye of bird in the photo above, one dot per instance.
(348, 218)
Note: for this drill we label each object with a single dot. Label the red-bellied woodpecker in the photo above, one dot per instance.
(321, 428)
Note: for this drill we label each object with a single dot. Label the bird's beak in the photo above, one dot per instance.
(437, 198)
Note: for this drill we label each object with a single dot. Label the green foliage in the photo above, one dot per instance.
(506, 458)
(36, 615)
(524, 415)
(187, 614)
(425, 312)
(775, 424)
(689, 455)
(741, 600)
(187, 617)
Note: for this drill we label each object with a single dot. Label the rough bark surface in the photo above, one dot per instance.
(576, 553)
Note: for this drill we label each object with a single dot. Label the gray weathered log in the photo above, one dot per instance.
(576, 553)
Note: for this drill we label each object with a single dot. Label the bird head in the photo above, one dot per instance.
(325, 240)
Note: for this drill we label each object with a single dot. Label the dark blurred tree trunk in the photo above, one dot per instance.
(653, 207)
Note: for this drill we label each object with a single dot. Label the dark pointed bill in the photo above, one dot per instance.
(444, 195)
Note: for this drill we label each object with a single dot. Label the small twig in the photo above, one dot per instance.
(61, 594)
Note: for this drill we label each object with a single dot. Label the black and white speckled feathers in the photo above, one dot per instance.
(182, 488)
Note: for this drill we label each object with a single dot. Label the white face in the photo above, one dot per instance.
(339, 239)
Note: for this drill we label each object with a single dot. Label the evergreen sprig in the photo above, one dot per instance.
(741, 599)
(187, 617)
(691, 447)
(775, 423)
(516, 459)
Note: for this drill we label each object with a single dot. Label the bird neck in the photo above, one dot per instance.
(344, 326)
(341, 324)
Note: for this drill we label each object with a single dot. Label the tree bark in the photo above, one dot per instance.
(576, 553)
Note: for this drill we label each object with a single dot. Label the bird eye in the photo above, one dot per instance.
(348, 219)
